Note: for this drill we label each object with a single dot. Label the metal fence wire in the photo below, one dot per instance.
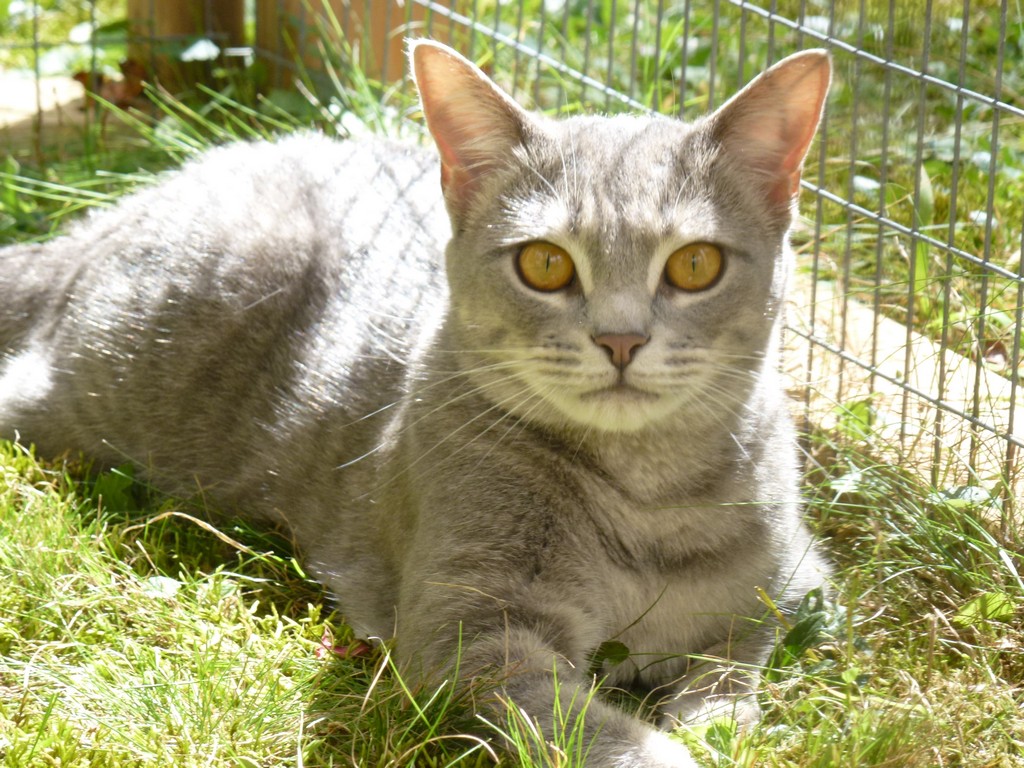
(905, 322)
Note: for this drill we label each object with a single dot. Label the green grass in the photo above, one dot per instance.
(146, 637)
(150, 638)
(134, 634)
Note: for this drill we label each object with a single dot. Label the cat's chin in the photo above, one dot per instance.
(617, 408)
(619, 394)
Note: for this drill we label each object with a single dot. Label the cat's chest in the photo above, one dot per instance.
(662, 578)
(657, 514)
(660, 620)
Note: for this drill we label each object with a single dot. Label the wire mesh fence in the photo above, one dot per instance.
(905, 324)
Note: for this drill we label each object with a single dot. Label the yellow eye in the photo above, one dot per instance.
(694, 267)
(545, 267)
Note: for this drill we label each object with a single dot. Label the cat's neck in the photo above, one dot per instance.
(686, 455)
(660, 462)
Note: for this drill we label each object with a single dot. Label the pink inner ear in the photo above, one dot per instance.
(474, 124)
(794, 183)
(784, 188)
(456, 184)
(774, 120)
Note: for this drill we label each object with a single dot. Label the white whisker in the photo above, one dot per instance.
(499, 406)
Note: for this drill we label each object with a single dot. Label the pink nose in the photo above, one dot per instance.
(621, 346)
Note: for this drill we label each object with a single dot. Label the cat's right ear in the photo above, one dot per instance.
(474, 123)
(768, 126)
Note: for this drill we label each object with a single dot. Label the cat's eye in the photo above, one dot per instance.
(545, 266)
(694, 267)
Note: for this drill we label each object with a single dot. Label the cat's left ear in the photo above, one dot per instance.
(769, 124)
(474, 123)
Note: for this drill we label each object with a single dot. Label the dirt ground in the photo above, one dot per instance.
(52, 109)
(48, 122)
(21, 97)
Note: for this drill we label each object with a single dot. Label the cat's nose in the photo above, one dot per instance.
(621, 346)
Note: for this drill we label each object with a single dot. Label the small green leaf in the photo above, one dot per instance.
(8, 194)
(721, 734)
(609, 653)
(925, 200)
(986, 607)
(113, 489)
(924, 216)
(850, 676)
(856, 419)
(806, 631)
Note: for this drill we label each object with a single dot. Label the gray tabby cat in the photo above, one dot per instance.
(567, 430)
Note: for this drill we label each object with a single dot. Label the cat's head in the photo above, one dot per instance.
(614, 272)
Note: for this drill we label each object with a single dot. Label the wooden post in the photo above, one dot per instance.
(374, 31)
(160, 31)
(379, 29)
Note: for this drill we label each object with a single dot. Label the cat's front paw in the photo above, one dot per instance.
(715, 693)
(743, 709)
(661, 751)
(655, 750)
